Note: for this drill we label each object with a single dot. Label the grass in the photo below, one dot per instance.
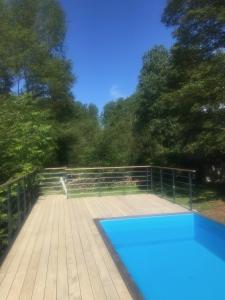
(205, 197)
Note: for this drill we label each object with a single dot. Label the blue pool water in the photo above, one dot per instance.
(171, 257)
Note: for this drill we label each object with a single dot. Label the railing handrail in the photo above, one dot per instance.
(173, 169)
(122, 167)
(16, 179)
(108, 168)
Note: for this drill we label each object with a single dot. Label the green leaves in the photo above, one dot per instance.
(198, 24)
(26, 136)
(31, 49)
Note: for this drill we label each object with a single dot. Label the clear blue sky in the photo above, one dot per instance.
(106, 40)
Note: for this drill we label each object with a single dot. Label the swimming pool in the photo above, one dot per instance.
(169, 257)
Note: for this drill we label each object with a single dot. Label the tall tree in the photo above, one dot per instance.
(198, 98)
(116, 145)
(26, 135)
(34, 55)
(152, 126)
(198, 24)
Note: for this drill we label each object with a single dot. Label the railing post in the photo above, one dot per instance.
(9, 213)
(31, 182)
(28, 193)
(152, 179)
(18, 192)
(174, 186)
(161, 180)
(190, 190)
(147, 179)
(24, 198)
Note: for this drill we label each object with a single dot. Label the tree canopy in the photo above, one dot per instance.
(174, 117)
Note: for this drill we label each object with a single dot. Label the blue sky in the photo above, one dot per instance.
(106, 40)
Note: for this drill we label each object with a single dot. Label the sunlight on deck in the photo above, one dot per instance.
(59, 253)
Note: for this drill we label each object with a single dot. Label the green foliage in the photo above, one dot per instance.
(78, 136)
(153, 127)
(26, 135)
(197, 100)
(175, 116)
(33, 67)
(116, 145)
(31, 49)
(178, 118)
(198, 24)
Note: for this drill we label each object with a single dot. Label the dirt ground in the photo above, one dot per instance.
(217, 211)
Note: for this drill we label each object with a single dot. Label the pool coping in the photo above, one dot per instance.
(130, 284)
(132, 287)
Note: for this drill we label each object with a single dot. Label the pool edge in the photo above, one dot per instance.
(129, 282)
(132, 287)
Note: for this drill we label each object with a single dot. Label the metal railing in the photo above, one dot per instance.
(17, 197)
(172, 183)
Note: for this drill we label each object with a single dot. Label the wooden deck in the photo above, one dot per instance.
(59, 253)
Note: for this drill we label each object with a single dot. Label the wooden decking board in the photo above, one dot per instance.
(83, 275)
(40, 280)
(32, 249)
(51, 277)
(72, 273)
(60, 254)
(108, 286)
(15, 259)
(23, 235)
(93, 270)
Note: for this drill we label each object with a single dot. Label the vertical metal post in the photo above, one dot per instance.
(28, 192)
(24, 199)
(99, 185)
(31, 183)
(151, 179)
(174, 186)
(147, 179)
(18, 194)
(190, 190)
(161, 180)
(9, 214)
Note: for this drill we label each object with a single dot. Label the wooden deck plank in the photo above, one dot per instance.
(107, 284)
(59, 253)
(19, 241)
(32, 249)
(39, 286)
(85, 284)
(111, 289)
(51, 277)
(19, 249)
(73, 279)
(92, 268)
(29, 280)
(62, 275)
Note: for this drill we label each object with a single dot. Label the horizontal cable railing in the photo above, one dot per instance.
(17, 197)
(105, 180)
(172, 183)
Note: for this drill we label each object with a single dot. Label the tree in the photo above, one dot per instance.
(197, 99)
(26, 136)
(199, 24)
(78, 135)
(152, 126)
(31, 48)
(116, 144)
